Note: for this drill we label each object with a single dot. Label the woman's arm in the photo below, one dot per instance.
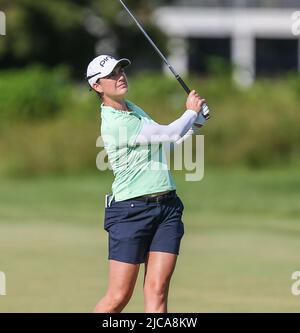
(176, 132)
(152, 132)
(156, 133)
(199, 122)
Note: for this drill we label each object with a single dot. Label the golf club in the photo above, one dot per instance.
(205, 109)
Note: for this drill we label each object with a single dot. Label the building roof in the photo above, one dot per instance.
(189, 22)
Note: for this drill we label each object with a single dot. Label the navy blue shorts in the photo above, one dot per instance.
(136, 227)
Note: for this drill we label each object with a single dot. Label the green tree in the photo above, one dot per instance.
(70, 32)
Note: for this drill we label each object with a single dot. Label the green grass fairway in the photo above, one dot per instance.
(241, 243)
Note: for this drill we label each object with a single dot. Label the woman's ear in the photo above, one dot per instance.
(97, 87)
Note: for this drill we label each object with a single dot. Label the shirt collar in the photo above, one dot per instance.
(109, 108)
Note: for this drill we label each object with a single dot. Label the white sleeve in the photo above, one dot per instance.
(193, 130)
(156, 133)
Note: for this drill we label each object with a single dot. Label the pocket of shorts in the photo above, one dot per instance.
(113, 215)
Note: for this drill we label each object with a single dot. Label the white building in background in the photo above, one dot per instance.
(256, 37)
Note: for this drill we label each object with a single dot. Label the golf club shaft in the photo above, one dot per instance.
(205, 109)
(156, 48)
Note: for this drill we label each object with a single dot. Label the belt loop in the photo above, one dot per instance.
(111, 200)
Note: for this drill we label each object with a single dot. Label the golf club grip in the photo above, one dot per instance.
(204, 108)
(184, 86)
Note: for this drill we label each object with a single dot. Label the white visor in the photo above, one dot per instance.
(102, 66)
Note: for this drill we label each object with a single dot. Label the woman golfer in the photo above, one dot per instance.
(143, 216)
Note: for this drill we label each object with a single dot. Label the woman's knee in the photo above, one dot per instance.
(118, 299)
(156, 289)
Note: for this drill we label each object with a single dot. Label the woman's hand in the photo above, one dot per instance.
(194, 101)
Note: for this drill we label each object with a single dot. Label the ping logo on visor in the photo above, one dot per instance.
(102, 62)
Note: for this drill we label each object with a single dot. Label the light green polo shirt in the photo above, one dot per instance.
(138, 169)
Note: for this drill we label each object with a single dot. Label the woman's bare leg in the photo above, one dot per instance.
(121, 282)
(158, 272)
